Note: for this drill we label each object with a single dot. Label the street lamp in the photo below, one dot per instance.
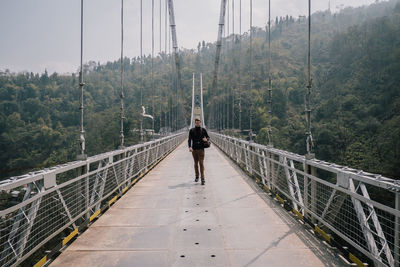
(143, 114)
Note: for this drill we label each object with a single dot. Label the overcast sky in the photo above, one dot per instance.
(45, 34)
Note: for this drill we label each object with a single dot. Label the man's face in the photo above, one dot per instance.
(197, 123)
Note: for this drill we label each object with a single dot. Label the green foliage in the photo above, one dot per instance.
(356, 86)
(355, 96)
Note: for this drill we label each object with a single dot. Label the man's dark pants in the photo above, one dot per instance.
(198, 156)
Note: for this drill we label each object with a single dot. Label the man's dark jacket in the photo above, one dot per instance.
(196, 135)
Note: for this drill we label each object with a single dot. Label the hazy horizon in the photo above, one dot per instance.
(45, 34)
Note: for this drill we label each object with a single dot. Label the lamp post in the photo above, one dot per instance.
(144, 115)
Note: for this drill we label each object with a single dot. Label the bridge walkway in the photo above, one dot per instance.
(169, 220)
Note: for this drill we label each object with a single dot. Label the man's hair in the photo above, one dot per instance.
(197, 119)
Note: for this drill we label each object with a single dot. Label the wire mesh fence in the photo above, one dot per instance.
(36, 207)
(360, 208)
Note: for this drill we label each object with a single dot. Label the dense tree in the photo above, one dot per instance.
(356, 94)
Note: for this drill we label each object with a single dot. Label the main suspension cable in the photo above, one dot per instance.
(251, 71)
(160, 18)
(122, 76)
(226, 57)
(82, 141)
(269, 77)
(160, 25)
(309, 140)
(141, 70)
(233, 49)
(167, 122)
(152, 64)
(239, 59)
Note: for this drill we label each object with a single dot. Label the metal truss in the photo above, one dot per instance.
(376, 237)
(293, 183)
(361, 208)
(197, 103)
(67, 195)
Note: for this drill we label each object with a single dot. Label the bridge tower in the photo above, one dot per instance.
(197, 103)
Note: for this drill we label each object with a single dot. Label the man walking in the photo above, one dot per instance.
(197, 137)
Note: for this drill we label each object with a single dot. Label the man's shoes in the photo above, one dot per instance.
(196, 179)
(203, 182)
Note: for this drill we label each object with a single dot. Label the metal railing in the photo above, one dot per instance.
(38, 206)
(360, 208)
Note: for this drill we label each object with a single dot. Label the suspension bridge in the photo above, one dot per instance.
(139, 205)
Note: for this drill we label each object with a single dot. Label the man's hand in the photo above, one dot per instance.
(205, 139)
(190, 149)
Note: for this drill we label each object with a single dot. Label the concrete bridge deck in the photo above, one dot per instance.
(169, 220)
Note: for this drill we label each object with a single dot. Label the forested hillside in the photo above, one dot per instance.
(356, 94)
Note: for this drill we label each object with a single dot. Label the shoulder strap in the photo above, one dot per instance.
(204, 132)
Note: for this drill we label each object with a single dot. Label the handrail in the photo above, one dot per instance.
(43, 204)
(361, 208)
